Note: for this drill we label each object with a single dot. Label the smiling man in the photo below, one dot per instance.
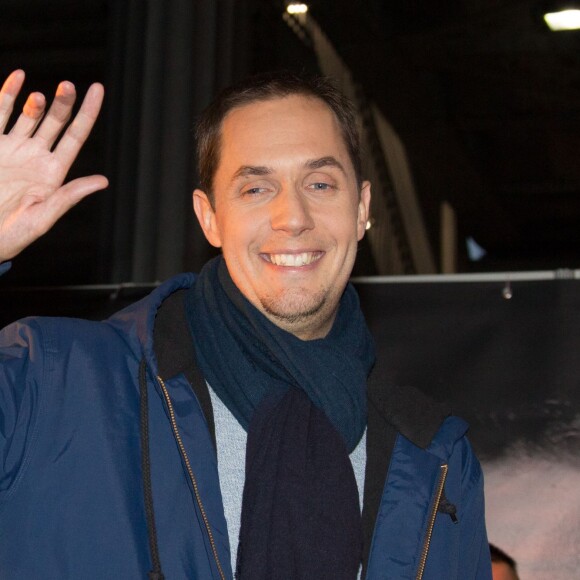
(230, 420)
(287, 210)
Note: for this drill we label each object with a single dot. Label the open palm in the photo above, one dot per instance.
(32, 170)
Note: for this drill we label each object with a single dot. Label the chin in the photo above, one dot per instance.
(295, 306)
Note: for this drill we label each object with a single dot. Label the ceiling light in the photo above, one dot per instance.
(563, 20)
(296, 8)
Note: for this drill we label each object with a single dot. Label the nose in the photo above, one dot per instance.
(290, 212)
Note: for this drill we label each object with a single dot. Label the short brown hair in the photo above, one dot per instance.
(498, 555)
(264, 87)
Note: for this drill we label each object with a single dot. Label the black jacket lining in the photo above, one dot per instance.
(175, 352)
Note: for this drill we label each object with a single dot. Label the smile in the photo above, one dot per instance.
(293, 260)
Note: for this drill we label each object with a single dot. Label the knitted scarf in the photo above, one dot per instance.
(303, 404)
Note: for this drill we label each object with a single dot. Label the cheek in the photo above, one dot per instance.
(237, 249)
(231, 232)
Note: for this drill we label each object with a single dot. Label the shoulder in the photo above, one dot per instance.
(51, 333)
(131, 326)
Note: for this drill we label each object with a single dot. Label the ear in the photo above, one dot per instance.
(364, 205)
(206, 217)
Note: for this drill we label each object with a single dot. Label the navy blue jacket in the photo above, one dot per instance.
(71, 487)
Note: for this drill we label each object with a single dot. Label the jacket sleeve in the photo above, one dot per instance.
(458, 548)
(20, 364)
(474, 557)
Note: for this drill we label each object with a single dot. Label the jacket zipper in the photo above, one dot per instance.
(191, 476)
(432, 516)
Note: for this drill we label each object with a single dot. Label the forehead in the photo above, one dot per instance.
(289, 128)
(278, 108)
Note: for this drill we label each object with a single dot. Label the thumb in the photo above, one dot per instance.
(66, 197)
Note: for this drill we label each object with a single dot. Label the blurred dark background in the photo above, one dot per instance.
(482, 98)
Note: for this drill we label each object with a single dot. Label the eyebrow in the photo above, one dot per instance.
(328, 161)
(249, 170)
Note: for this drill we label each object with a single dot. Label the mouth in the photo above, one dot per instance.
(293, 260)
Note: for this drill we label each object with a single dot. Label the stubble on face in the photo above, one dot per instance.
(295, 307)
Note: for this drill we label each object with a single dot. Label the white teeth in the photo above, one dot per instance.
(294, 260)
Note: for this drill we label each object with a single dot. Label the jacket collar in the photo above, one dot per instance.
(410, 411)
(137, 321)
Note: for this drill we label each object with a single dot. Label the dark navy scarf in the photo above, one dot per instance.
(303, 404)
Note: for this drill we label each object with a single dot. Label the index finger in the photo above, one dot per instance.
(81, 126)
(8, 94)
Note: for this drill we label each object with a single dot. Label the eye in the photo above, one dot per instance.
(321, 185)
(320, 181)
(254, 190)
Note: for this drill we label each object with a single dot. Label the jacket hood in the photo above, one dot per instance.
(136, 322)
(411, 412)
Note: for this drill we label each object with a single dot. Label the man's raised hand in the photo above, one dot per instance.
(32, 173)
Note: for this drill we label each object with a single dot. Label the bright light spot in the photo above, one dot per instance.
(297, 8)
(564, 20)
(474, 250)
(369, 225)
